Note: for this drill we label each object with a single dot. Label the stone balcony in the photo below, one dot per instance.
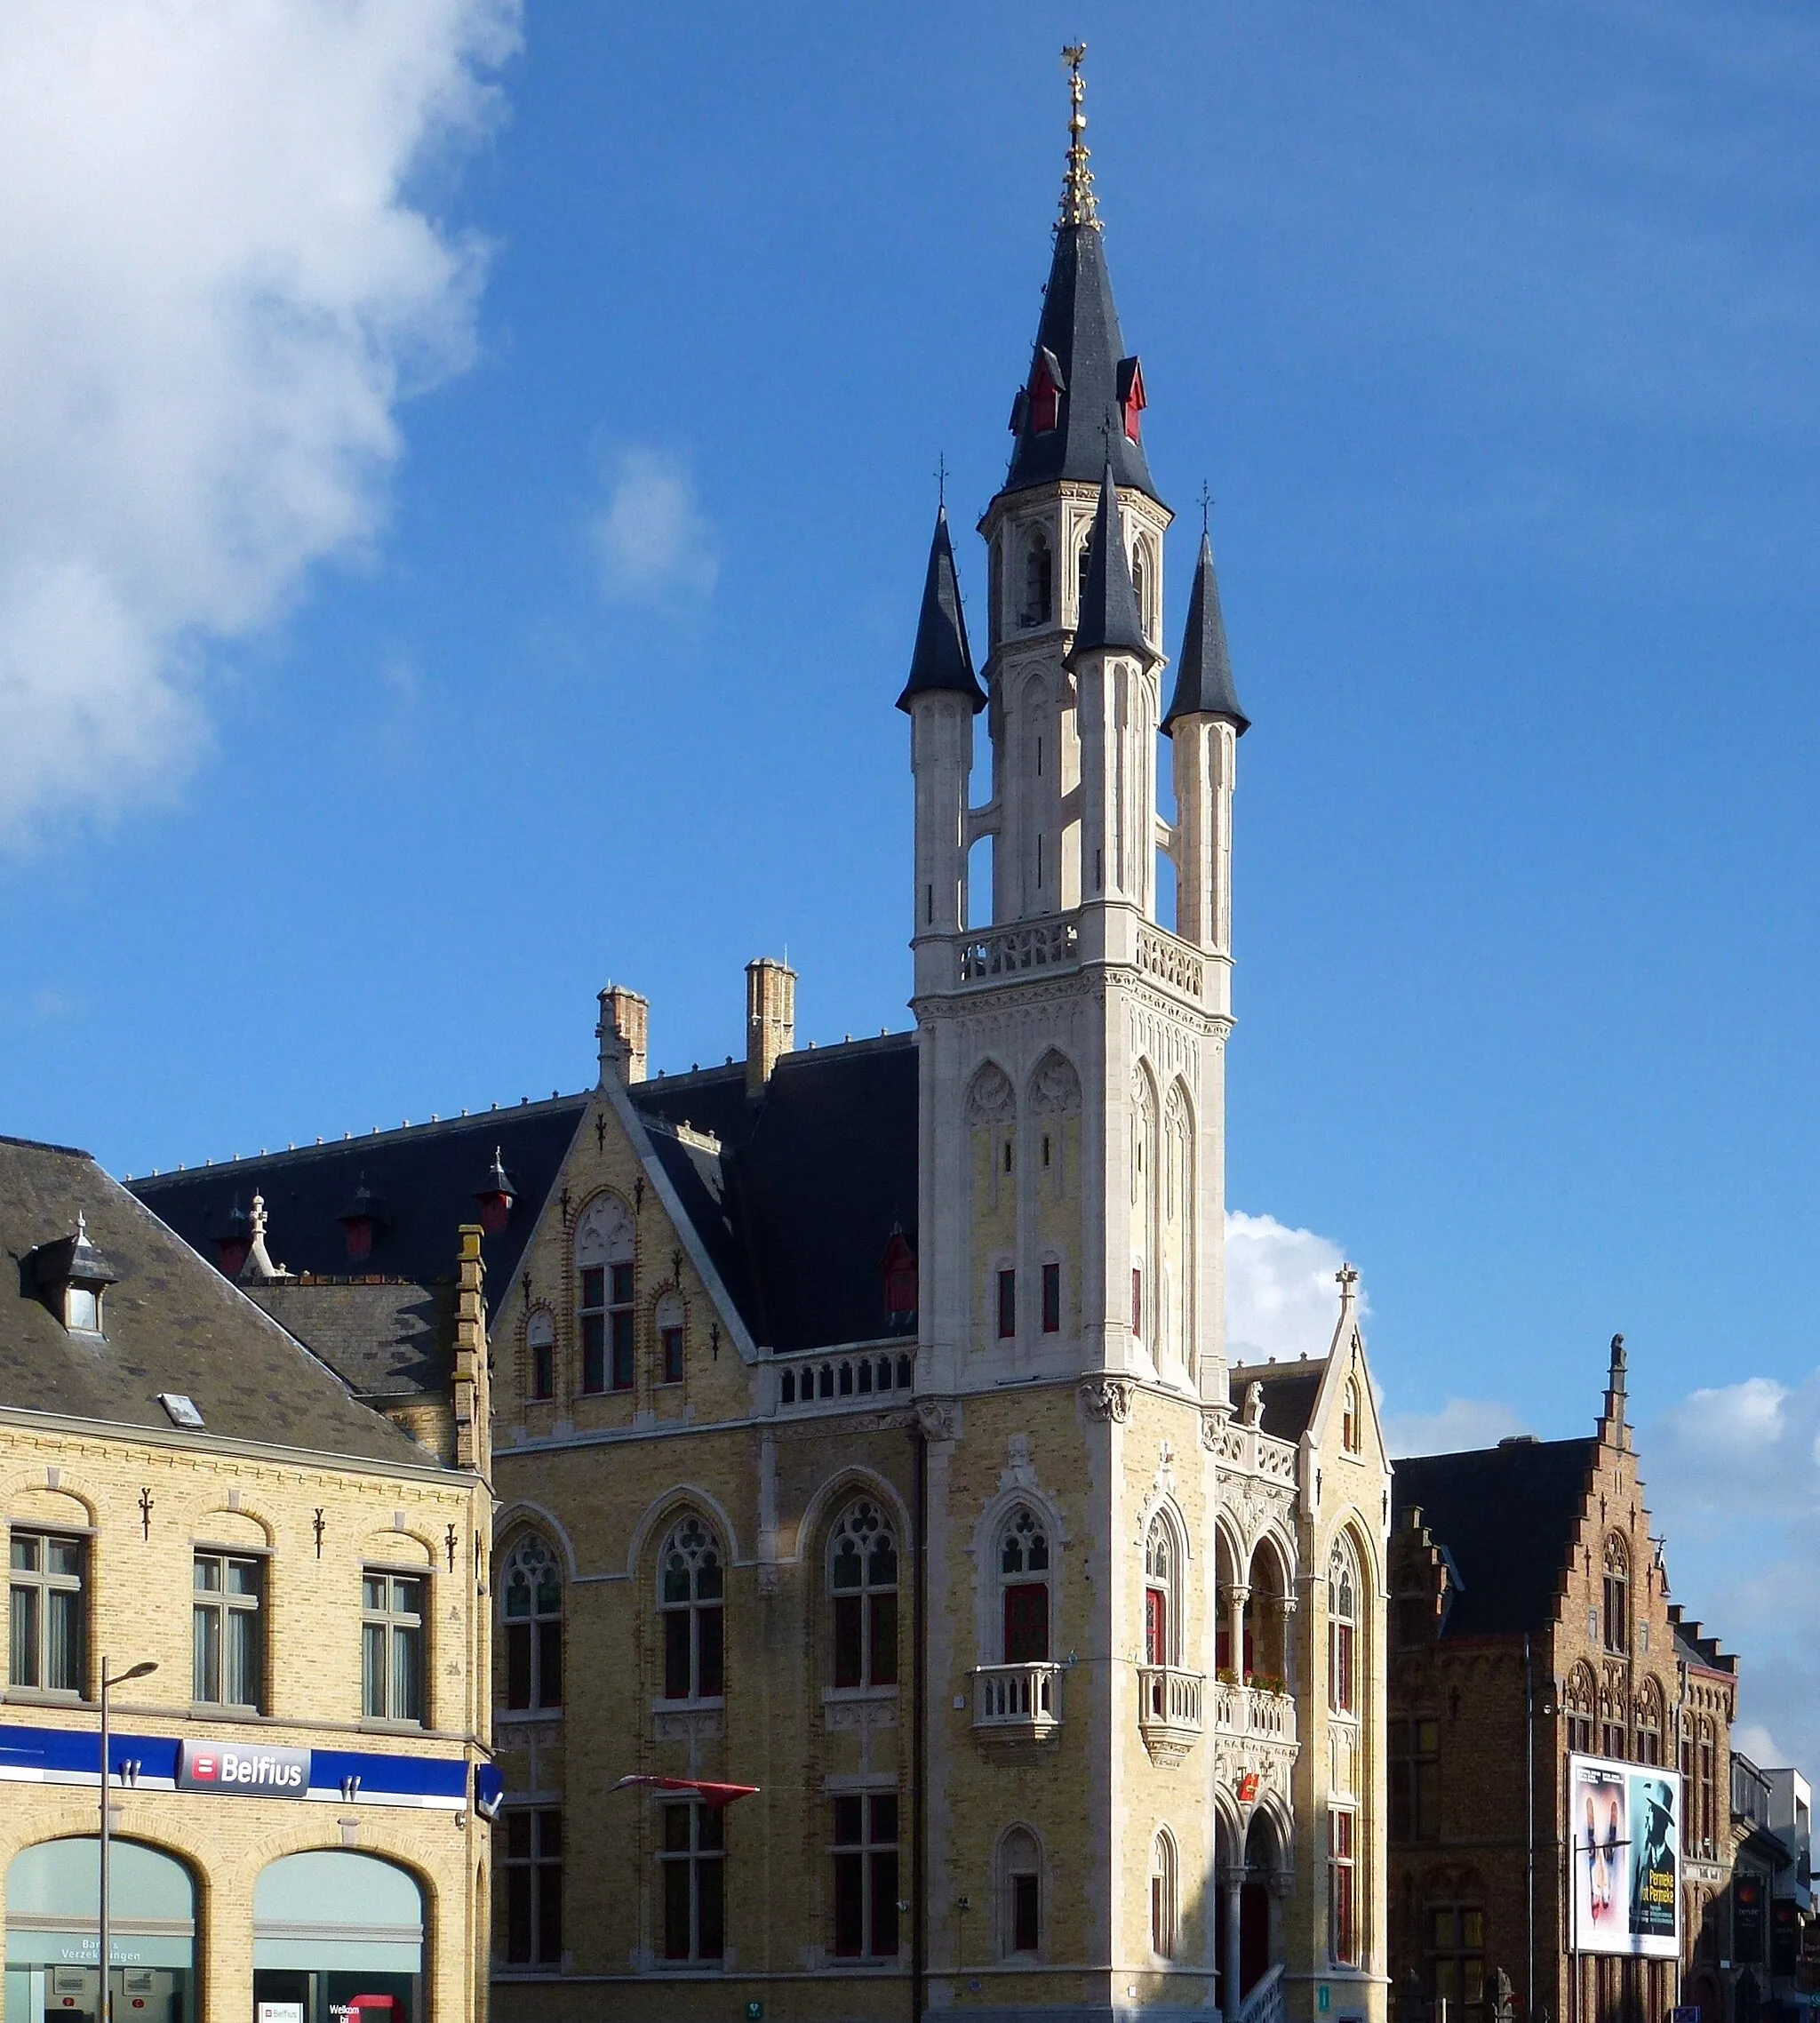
(1168, 1710)
(1254, 1711)
(1016, 1703)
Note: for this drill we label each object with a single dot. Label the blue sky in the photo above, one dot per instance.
(488, 474)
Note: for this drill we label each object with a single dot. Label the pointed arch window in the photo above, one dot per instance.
(1082, 562)
(1162, 1896)
(530, 1602)
(1023, 1580)
(540, 1350)
(863, 1586)
(1617, 1595)
(1038, 580)
(1350, 1433)
(1342, 1632)
(1582, 1697)
(604, 1290)
(1649, 1704)
(668, 1320)
(1140, 578)
(1162, 1627)
(1019, 1895)
(691, 1592)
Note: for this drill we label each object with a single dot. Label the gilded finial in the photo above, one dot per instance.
(1079, 207)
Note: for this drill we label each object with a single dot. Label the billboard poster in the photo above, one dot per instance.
(1626, 1823)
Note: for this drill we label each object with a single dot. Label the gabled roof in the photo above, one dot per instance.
(424, 1178)
(1291, 1391)
(1204, 672)
(172, 1325)
(1108, 616)
(384, 1338)
(1079, 330)
(1507, 1517)
(797, 1205)
(941, 659)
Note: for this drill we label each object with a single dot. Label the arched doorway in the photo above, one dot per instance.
(336, 1937)
(53, 1895)
(1263, 1853)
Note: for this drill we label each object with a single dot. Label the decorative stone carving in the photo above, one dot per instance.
(1056, 1088)
(936, 1418)
(1107, 1398)
(1253, 1403)
(990, 1096)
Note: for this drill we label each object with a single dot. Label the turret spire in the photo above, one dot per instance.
(1079, 207)
(1109, 615)
(1204, 672)
(941, 659)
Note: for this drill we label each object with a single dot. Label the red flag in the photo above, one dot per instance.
(714, 1796)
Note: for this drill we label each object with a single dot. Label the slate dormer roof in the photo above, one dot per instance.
(1204, 672)
(1079, 345)
(1290, 1392)
(941, 660)
(1108, 616)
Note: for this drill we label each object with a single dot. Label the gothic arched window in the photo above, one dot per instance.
(668, 1322)
(603, 1255)
(1350, 1435)
(1618, 1593)
(531, 1602)
(1039, 594)
(863, 1584)
(1342, 1632)
(1019, 1895)
(691, 1590)
(1649, 1706)
(1137, 585)
(1162, 1896)
(1024, 1576)
(1162, 1573)
(541, 1347)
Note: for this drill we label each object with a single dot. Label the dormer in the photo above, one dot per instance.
(361, 1220)
(494, 1197)
(1131, 400)
(69, 1276)
(234, 1240)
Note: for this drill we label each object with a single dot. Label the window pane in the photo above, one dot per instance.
(622, 1285)
(1474, 1971)
(885, 1640)
(711, 1633)
(373, 1669)
(709, 1580)
(1026, 1624)
(208, 1575)
(676, 1828)
(1446, 1981)
(62, 1641)
(847, 1569)
(243, 1577)
(710, 1882)
(1051, 1299)
(850, 1902)
(517, 1665)
(373, 1594)
(1441, 1930)
(848, 1668)
(710, 1826)
(407, 1597)
(884, 1820)
(22, 1638)
(676, 1654)
(594, 1352)
(675, 1874)
(549, 1663)
(63, 1556)
(622, 1350)
(1024, 1913)
(549, 1914)
(407, 1675)
(1472, 1932)
(25, 1553)
(884, 1903)
(206, 1670)
(847, 1816)
(549, 1836)
(594, 1288)
(517, 1835)
(518, 1916)
(1008, 1303)
(242, 1658)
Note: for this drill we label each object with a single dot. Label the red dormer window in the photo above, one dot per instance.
(1047, 386)
(898, 1266)
(494, 1197)
(1131, 400)
(361, 1222)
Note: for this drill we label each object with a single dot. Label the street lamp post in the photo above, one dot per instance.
(108, 1681)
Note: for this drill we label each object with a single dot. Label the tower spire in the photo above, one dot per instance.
(1079, 204)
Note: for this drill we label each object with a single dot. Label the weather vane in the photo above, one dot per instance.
(941, 481)
(1206, 500)
(1078, 204)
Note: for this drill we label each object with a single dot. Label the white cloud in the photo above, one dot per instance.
(653, 544)
(1281, 1299)
(1460, 1423)
(1734, 1479)
(213, 293)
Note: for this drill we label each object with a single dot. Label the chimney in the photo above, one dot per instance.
(625, 1016)
(771, 1019)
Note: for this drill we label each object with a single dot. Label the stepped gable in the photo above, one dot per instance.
(1507, 1518)
(170, 1323)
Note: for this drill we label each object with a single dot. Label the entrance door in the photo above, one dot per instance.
(1254, 1935)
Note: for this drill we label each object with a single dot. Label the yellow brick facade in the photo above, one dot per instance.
(142, 1508)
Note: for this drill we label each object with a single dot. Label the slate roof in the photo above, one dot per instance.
(385, 1338)
(941, 659)
(1507, 1516)
(798, 1205)
(1080, 329)
(795, 1209)
(173, 1325)
(1290, 1390)
(1204, 672)
(1109, 614)
(425, 1179)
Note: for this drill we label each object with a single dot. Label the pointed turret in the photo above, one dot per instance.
(1083, 398)
(1204, 672)
(1109, 617)
(941, 659)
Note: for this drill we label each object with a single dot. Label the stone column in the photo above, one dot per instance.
(1231, 1880)
(1237, 1595)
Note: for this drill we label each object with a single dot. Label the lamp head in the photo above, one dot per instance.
(143, 1669)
